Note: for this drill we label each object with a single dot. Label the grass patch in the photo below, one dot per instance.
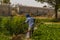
(47, 32)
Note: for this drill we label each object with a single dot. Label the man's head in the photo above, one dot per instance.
(27, 15)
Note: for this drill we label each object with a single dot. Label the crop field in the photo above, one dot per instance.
(47, 32)
(14, 25)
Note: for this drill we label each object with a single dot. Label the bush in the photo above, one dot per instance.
(17, 25)
(10, 26)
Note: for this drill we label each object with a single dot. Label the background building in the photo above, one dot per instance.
(35, 11)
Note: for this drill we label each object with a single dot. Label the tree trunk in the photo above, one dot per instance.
(56, 11)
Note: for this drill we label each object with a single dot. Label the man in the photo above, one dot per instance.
(30, 22)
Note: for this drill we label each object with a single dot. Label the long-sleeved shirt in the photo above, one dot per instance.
(30, 21)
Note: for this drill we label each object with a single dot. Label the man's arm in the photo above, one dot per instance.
(26, 20)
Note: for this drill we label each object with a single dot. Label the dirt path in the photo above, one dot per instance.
(19, 37)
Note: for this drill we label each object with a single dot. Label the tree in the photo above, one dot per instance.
(6, 1)
(54, 3)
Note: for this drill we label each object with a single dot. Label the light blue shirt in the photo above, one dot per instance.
(30, 21)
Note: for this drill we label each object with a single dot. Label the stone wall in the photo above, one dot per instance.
(36, 11)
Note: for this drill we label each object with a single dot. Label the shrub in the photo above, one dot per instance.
(10, 26)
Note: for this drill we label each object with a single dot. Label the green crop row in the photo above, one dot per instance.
(47, 32)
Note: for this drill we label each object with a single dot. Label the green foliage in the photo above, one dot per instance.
(10, 26)
(47, 32)
(17, 26)
(3, 23)
(4, 37)
(14, 25)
